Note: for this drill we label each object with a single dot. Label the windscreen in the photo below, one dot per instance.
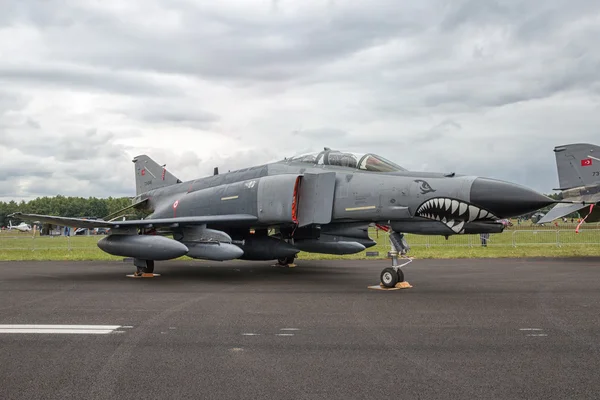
(365, 162)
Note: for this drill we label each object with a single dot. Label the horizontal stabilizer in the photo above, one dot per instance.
(162, 222)
(561, 210)
(119, 213)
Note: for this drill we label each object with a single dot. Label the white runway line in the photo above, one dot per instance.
(60, 329)
(110, 327)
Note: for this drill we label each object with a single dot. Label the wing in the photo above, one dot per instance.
(147, 223)
(119, 213)
(560, 210)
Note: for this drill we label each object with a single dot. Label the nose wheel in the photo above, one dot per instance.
(393, 275)
(390, 277)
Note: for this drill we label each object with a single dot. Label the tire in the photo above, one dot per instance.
(400, 275)
(286, 260)
(389, 277)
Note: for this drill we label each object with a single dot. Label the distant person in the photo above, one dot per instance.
(484, 239)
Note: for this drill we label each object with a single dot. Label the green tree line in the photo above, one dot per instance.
(66, 207)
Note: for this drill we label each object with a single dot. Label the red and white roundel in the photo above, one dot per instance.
(175, 204)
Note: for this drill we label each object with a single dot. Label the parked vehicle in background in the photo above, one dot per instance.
(536, 217)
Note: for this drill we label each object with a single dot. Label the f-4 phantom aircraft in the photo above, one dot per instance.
(578, 167)
(321, 202)
(23, 227)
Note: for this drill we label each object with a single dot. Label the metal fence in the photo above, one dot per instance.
(514, 238)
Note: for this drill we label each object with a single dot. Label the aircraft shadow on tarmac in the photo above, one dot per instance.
(259, 272)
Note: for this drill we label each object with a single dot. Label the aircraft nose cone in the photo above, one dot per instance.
(505, 199)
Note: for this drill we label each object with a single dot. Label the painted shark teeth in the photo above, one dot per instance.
(454, 206)
(452, 212)
(473, 212)
(458, 227)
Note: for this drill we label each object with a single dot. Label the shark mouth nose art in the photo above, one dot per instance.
(453, 213)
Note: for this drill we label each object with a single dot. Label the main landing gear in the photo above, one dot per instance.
(144, 269)
(286, 261)
(393, 275)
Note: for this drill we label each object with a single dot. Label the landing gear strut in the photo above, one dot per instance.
(285, 261)
(143, 267)
(391, 276)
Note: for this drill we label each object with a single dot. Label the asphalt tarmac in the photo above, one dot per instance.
(493, 329)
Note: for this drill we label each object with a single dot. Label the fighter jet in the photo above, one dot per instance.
(321, 202)
(578, 167)
(23, 227)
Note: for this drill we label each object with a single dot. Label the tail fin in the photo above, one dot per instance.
(578, 165)
(149, 175)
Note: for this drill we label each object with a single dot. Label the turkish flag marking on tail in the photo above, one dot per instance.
(586, 162)
(143, 172)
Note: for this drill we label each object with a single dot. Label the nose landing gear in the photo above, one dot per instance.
(392, 276)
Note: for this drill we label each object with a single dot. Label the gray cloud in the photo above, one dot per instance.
(477, 87)
(10, 101)
(87, 145)
(89, 163)
(86, 78)
(321, 133)
(223, 42)
(170, 113)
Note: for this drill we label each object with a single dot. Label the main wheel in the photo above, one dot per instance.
(148, 269)
(286, 260)
(389, 277)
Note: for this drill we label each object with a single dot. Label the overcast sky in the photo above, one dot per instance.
(477, 87)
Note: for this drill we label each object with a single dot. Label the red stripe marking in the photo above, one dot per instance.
(295, 200)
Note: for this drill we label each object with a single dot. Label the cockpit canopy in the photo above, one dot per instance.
(366, 162)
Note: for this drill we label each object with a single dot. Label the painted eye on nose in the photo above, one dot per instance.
(425, 186)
